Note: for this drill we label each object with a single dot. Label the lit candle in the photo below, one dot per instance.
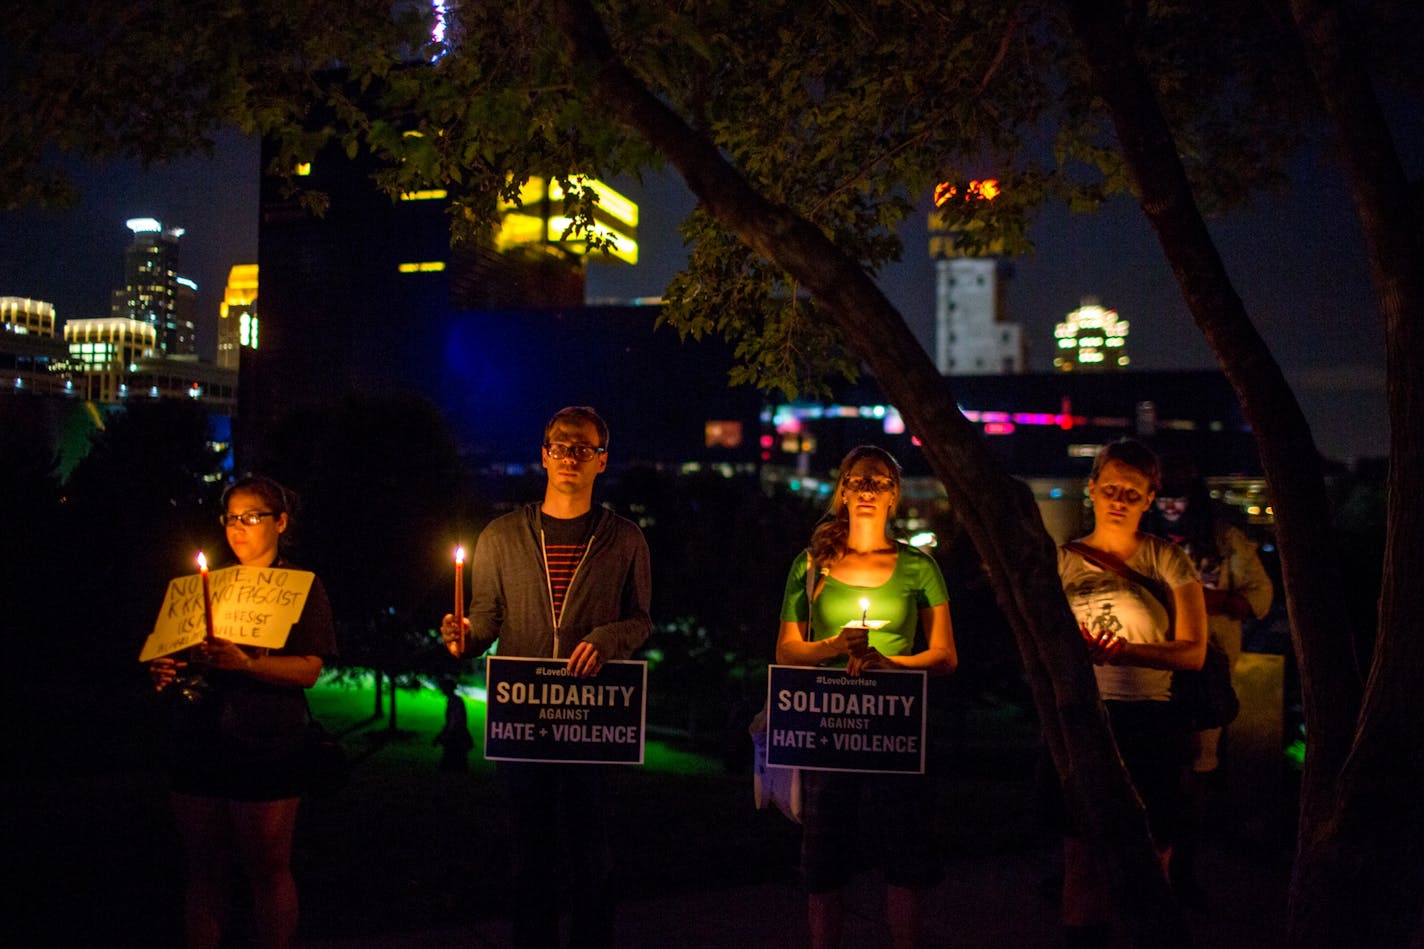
(207, 594)
(460, 600)
(864, 608)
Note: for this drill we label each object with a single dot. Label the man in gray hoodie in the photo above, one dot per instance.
(560, 580)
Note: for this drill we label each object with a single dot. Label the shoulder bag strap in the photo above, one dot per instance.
(812, 588)
(1109, 562)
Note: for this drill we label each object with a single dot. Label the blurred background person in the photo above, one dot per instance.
(1236, 586)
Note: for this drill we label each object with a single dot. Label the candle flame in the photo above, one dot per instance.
(202, 561)
(459, 555)
(864, 604)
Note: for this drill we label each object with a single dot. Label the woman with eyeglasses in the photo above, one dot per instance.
(854, 557)
(237, 772)
(1119, 583)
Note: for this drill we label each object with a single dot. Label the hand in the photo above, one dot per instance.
(586, 660)
(164, 671)
(1103, 647)
(222, 654)
(870, 658)
(454, 636)
(854, 640)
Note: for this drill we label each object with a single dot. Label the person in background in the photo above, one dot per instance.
(1127, 627)
(560, 579)
(238, 762)
(1236, 586)
(454, 737)
(854, 556)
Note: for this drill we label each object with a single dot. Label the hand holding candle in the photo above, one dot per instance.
(207, 596)
(858, 638)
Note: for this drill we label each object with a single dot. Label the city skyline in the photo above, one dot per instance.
(1297, 259)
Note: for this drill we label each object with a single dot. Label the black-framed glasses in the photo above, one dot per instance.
(868, 485)
(249, 519)
(559, 450)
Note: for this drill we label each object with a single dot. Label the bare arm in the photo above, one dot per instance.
(300, 671)
(1187, 648)
(792, 649)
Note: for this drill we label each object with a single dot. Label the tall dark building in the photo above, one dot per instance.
(151, 291)
(370, 298)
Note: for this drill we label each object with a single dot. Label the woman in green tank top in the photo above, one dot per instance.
(861, 572)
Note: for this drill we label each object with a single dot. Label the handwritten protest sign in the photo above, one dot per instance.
(827, 720)
(252, 606)
(537, 711)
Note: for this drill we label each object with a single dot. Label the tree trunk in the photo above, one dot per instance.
(391, 722)
(996, 511)
(1359, 876)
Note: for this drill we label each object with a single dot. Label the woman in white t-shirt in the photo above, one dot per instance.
(1134, 649)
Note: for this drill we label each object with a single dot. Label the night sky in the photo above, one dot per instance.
(1297, 260)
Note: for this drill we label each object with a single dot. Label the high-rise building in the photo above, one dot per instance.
(1091, 339)
(972, 335)
(371, 296)
(151, 292)
(237, 315)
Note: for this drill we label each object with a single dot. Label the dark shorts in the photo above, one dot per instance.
(887, 817)
(216, 772)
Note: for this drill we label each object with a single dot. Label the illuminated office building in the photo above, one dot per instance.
(106, 352)
(972, 336)
(24, 317)
(1091, 339)
(237, 315)
(152, 291)
(30, 353)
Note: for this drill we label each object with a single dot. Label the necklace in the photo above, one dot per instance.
(867, 553)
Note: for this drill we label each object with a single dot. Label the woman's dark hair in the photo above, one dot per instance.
(1134, 454)
(828, 540)
(278, 499)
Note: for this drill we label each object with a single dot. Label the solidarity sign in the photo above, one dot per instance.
(252, 606)
(827, 720)
(537, 711)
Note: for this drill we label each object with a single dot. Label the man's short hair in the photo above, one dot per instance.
(578, 414)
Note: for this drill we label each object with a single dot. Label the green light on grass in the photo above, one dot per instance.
(346, 709)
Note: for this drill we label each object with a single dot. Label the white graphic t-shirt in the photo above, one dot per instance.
(1103, 601)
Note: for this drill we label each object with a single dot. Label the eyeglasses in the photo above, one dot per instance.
(1112, 492)
(250, 519)
(558, 450)
(868, 485)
